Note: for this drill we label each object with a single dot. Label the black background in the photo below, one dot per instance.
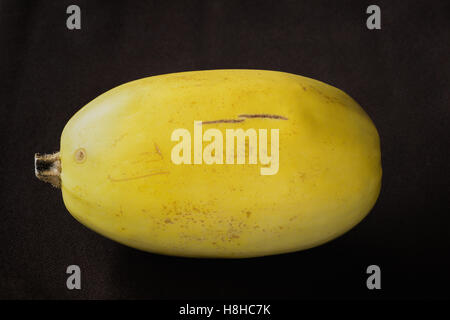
(400, 75)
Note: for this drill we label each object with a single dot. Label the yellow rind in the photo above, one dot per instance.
(128, 189)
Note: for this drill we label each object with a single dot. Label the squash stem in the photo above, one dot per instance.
(47, 167)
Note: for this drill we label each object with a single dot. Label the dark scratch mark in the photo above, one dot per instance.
(267, 116)
(223, 121)
(138, 177)
(119, 139)
(246, 116)
(158, 151)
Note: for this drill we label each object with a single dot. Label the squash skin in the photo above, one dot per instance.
(127, 188)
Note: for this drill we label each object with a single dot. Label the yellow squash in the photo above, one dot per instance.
(160, 164)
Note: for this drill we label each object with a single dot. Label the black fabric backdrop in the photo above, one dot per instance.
(400, 75)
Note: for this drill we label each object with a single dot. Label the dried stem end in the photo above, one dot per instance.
(47, 168)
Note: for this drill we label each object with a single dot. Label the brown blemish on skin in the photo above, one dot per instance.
(138, 177)
(263, 116)
(248, 213)
(223, 121)
(80, 155)
(148, 153)
(168, 221)
(151, 160)
(158, 151)
(118, 139)
(327, 98)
